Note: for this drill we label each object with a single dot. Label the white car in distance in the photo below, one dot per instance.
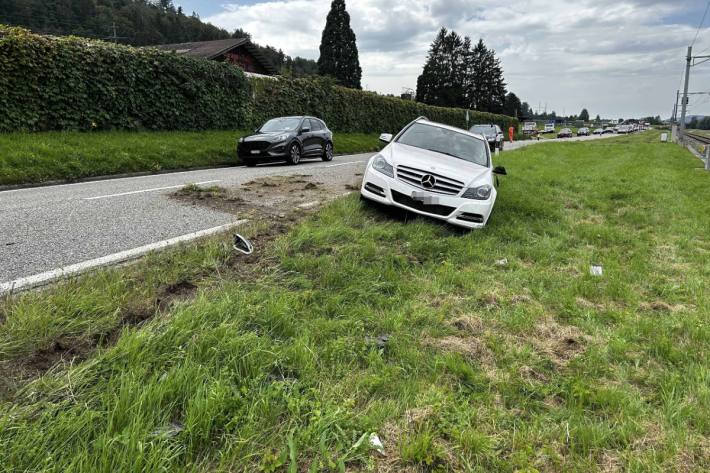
(435, 170)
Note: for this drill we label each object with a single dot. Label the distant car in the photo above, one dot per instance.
(608, 131)
(623, 129)
(530, 128)
(287, 139)
(584, 131)
(492, 133)
(565, 133)
(598, 131)
(434, 170)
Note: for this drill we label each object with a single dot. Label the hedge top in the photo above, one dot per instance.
(71, 83)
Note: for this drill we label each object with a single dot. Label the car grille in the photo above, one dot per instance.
(407, 201)
(248, 146)
(444, 185)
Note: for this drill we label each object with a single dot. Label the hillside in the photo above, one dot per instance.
(134, 22)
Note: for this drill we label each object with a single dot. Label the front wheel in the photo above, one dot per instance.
(500, 146)
(250, 163)
(294, 154)
(328, 152)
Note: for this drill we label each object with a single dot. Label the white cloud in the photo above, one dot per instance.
(615, 57)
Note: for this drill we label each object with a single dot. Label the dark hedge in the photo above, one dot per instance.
(351, 110)
(69, 83)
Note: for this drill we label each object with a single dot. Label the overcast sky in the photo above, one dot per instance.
(618, 58)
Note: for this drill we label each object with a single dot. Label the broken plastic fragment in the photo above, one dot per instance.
(376, 443)
(243, 245)
(596, 270)
(502, 262)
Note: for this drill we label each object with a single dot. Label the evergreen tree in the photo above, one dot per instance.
(513, 107)
(584, 115)
(485, 87)
(338, 49)
(442, 80)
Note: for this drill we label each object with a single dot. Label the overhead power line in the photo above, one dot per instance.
(702, 21)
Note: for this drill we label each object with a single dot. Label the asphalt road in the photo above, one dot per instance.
(47, 228)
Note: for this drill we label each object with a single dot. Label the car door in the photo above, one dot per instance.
(318, 136)
(309, 138)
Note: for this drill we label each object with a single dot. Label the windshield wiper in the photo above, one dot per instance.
(444, 152)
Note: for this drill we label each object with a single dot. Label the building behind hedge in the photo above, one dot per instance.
(240, 52)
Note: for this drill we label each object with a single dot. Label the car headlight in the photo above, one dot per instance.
(283, 137)
(478, 193)
(241, 140)
(380, 164)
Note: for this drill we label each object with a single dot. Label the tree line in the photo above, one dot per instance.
(133, 22)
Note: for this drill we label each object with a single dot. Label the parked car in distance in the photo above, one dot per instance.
(435, 170)
(492, 133)
(565, 133)
(287, 139)
(598, 131)
(584, 131)
(608, 131)
(549, 127)
(530, 128)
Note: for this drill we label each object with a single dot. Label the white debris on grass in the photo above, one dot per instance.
(596, 270)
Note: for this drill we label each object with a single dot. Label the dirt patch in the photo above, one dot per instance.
(582, 302)
(560, 343)
(470, 324)
(662, 306)
(470, 347)
(270, 199)
(181, 291)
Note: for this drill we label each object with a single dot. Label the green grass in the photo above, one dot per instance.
(530, 366)
(39, 157)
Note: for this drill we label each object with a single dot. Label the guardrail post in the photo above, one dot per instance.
(707, 157)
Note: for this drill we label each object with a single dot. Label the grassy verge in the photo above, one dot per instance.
(362, 321)
(40, 157)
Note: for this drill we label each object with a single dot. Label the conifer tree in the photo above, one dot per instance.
(338, 49)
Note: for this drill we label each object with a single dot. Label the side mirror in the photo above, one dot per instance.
(500, 170)
(243, 245)
(386, 137)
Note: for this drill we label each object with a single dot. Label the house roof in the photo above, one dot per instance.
(214, 49)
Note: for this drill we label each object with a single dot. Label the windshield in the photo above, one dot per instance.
(280, 124)
(483, 129)
(449, 142)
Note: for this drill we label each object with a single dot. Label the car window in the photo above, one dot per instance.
(315, 125)
(448, 142)
(482, 129)
(280, 124)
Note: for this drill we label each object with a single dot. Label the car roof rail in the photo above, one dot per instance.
(422, 118)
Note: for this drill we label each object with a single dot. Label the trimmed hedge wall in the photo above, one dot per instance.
(69, 83)
(350, 110)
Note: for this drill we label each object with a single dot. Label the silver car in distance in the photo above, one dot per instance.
(435, 170)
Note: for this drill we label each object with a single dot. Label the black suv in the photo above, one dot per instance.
(287, 139)
(492, 133)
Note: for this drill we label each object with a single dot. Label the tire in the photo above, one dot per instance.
(294, 154)
(250, 163)
(328, 152)
(500, 147)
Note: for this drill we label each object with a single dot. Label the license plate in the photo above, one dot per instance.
(425, 198)
(255, 151)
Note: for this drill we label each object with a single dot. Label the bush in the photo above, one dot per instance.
(50, 83)
(351, 110)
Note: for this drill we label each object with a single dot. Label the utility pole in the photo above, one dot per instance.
(674, 117)
(684, 104)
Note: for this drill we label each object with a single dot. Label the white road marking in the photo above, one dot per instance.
(74, 269)
(345, 164)
(309, 205)
(148, 190)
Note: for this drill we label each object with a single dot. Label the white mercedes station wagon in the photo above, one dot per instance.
(435, 170)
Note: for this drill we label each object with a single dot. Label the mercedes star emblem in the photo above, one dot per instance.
(428, 181)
